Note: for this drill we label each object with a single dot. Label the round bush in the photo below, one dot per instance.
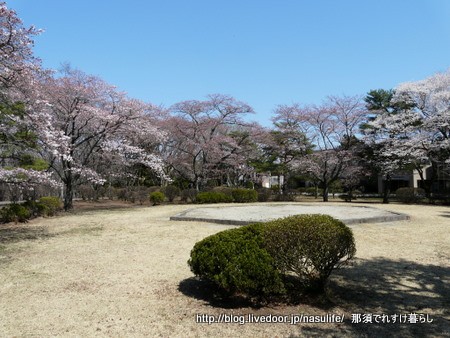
(14, 213)
(49, 205)
(309, 246)
(410, 195)
(244, 195)
(171, 192)
(236, 262)
(157, 197)
(264, 194)
(189, 195)
(213, 197)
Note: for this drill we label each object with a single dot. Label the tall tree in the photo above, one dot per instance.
(331, 128)
(19, 164)
(207, 138)
(97, 124)
(379, 138)
(419, 132)
(283, 145)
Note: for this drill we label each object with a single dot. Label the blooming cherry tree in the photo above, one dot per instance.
(207, 139)
(332, 129)
(96, 124)
(419, 133)
(18, 131)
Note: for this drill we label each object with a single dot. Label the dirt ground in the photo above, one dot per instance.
(121, 272)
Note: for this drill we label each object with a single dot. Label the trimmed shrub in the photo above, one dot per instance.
(171, 192)
(236, 262)
(244, 195)
(36, 209)
(264, 194)
(309, 246)
(410, 195)
(140, 194)
(123, 194)
(212, 197)
(189, 195)
(87, 192)
(223, 189)
(284, 197)
(50, 205)
(157, 197)
(14, 213)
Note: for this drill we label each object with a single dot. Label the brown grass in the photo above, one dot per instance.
(120, 272)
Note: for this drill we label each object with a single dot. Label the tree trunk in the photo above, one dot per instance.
(325, 192)
(387, 189)
(68, 191)
(68, 196)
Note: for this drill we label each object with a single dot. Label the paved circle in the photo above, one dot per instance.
(247, 214)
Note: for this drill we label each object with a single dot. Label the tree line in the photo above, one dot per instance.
(60, 130)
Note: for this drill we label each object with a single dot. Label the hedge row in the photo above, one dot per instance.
(227, 196)
(45, 206)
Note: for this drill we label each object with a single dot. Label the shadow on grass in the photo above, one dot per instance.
(209, 293)
(376, 286)
(445, 214)
(13, 234)
(384, 286)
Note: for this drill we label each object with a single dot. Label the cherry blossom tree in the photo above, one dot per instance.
(96, 124)
(20, 166)
(418, 134)
(207, 139)
(381, 141)
(331, 128)
(16, 42)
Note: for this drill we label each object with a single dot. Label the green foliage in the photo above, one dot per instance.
(310, 246)
(244, 195)
(171, 192)
(236, 262)
(17, 136)
(310, 191)
(212, 197)
(286, 197)
(264, 194)
(189, 195)
(14, 213)
(223, 189)
(410, 195)
(51, 205)
(140, 194)
(157, 197)
(28, 161)
(36, 209)
(258, 259)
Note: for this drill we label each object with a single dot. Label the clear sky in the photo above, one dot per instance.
(262, 52)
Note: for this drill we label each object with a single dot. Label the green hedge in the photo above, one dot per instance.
(244, 195)
(410, 195)
(212, 197)
(14, 213)
(45, 206)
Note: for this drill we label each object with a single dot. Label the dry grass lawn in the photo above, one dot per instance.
(122, 272)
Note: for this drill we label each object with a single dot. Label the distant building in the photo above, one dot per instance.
(412, 179)
(268, 181)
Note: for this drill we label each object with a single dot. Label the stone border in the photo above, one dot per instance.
(396, 216)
